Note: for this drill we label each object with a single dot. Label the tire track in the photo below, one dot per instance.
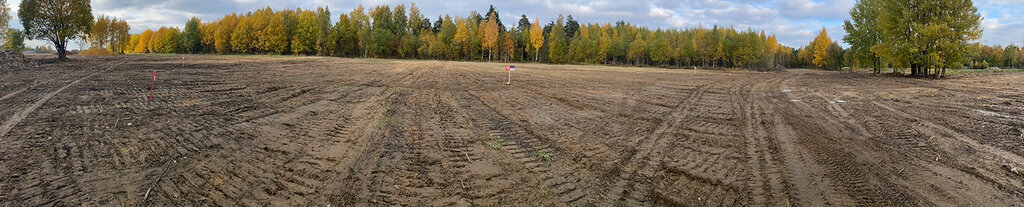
(1008, 156)
(16, 118)
(843, 155)
(555, 176)
(766, 182)
(627, 187)
(12, 94)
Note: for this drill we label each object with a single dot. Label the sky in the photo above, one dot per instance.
(795, 22)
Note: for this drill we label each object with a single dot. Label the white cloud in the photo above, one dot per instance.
(661, 12)
(991, 23)
(809, 9)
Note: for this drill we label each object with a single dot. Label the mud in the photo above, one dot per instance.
(304, 131)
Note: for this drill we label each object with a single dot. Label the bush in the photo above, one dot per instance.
(96, 51)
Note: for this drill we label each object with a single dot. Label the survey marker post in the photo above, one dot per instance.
(509, 68)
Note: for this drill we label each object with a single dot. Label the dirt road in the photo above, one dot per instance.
(303, 131)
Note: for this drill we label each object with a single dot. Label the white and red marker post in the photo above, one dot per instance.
(509, 68)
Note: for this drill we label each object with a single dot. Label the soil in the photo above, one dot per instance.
(305, 131)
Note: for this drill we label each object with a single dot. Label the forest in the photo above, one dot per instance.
(386, 32)
(873, 39)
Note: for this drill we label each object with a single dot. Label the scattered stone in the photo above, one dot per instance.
(1017, 170)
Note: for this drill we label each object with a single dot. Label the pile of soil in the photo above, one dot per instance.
(13, 60)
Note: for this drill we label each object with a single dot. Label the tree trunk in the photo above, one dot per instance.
(916, 71)
(61, 51)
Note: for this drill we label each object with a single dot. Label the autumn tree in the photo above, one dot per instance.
(463, 35)
(242, 36)
(637, 49)
(305, 39)
(133, 41)
(143, 45)
(509, 42)
(57, 21)
(223, 36)
(821, 43)
(536, 38)
(605, 43)
(924, 34)
(271, 31)
(209, 33)
(490, 35)
(98, 32)
(120, 36)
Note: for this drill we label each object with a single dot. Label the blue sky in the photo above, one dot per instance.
(795, 22)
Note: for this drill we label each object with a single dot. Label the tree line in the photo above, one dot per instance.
(984, 56)
(400, 32)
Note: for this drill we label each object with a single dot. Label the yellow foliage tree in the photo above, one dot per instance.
(490, 35)
(536, 38)
(144, 39)
(821, 43)
(222, 38)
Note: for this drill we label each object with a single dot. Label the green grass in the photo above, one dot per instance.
(494, 142)
(984, 71)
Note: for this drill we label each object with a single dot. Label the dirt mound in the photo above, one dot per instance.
(13, 60)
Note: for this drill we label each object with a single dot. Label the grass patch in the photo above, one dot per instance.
(494, 142)
(983, 71)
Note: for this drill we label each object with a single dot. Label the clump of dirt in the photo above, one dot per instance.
(13, 60)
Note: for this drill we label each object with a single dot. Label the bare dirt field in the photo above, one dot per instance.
(315, 131)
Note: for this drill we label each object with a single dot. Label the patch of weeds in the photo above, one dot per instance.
(548, 192)
(385, 118)
(492, 145)
(494, 142)
(546, 157)
(983, 71)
